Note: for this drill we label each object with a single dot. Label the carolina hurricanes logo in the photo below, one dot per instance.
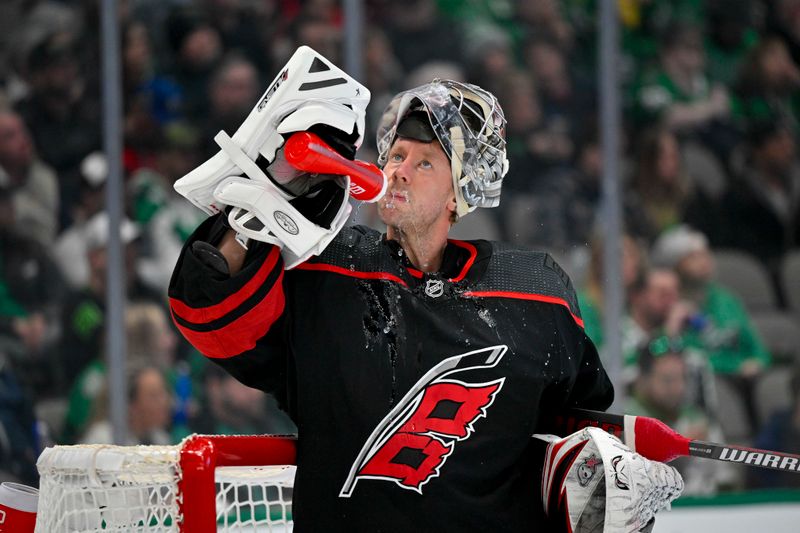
(411, 444)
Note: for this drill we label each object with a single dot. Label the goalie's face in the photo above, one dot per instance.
(420, 193)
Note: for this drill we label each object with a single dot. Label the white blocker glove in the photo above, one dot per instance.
(602, 486)
(310, 93)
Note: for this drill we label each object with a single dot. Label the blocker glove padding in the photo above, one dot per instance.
(272, 202)
(599, 485)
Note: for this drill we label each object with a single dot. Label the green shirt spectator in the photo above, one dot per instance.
(768, 88)
(721, 326)
(725, 333)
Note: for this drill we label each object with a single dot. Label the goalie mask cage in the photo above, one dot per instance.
(206, 483)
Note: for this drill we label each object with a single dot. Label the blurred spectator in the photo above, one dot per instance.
(83, 312)
(784, 19)
(590, 297)
(764, 200)
(780, 433)
(232, 92)
(680, 95)
(719, 325)
(33, 183)
(644, 22)
(64, 124)
(420, 34)
(384, 77)
(149, 411)
(165, 217)
(731, 33)
(567, 103)
(583, 189)
(661, 193)
(230, 408)
(196, 49)
(661, 391)
(31, 289)
(19, 437)
(151, 99)
(26, 25)
(245, 26)
(768, 86)
(312, 29)
(539, 152)
(149, 341)
(723, 325)
(543, 19)
(70, 247)
(655, 309)
(489, 58)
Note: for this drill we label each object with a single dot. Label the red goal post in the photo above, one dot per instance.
(199, 486)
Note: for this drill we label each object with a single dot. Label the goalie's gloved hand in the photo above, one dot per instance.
(597, 484)
(310, 92)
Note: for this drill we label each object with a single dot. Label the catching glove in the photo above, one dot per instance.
(603, 486)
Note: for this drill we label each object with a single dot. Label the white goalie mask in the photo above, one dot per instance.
(308, 91)
(470, 126)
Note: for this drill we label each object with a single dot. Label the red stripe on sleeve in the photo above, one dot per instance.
(525, 296)
(203, 315)
(351, 273)
(241, 334)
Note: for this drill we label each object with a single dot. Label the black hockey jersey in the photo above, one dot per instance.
(415, 395)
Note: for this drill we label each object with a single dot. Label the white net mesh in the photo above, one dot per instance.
(135, 488)
(254, 498)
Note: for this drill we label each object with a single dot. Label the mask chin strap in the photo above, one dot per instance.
(457, 142)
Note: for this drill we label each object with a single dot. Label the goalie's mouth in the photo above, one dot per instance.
(398, 196)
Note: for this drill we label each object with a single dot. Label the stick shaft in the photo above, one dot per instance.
(784, 462)
(647, 436)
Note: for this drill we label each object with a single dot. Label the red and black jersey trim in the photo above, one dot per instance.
(233, 325)
(473, 254)
(388, 276)
(526, 296)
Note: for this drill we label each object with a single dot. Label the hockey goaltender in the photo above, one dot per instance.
(416, 368)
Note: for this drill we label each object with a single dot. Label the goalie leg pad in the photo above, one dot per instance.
(599, 484)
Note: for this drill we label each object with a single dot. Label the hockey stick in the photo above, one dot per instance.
(655, 440)
(306, 151)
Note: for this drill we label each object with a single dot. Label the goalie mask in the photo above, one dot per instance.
(309, 93)
(470, 126)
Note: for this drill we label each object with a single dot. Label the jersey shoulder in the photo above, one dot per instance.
(522, 271)
(358, 248)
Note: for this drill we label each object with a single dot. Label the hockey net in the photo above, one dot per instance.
(204, 484)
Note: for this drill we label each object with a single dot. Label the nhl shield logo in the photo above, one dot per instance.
(434, 288)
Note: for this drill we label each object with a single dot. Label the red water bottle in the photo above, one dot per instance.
(308, 152)
(17, 508)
